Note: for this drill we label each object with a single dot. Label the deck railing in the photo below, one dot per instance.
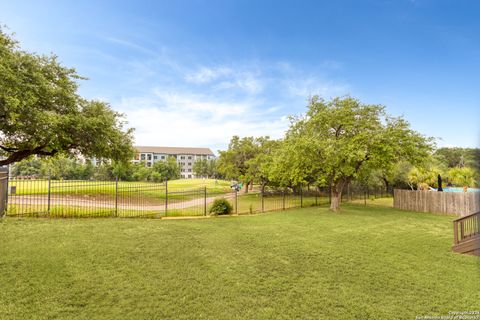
(466, 228)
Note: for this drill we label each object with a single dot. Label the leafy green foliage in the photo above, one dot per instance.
(72, 169)
(220, 207)
(56, 168)
(237, 161)
(459, 157)
(42, 114)
(464, 177)
(338, 139)
(165, 170)
(206, 168)
(259, 167)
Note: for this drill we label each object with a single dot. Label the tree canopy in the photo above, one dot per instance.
(165, 170)
(206, 168)
(247, 160)
(337, 139)
(340, 140)
(333, 144)
(459, 157)
(41, 112)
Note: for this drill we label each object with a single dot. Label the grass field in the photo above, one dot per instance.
(36, 187)
(363, 263)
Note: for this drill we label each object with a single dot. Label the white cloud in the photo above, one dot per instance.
(246, 82)
(227, 78)
(183, 119)
(309, 86)
(207, 106)
(207, 75)
(131, 45)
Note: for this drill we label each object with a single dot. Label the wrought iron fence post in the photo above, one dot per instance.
(365, 196)
(6, 191)
(263, 205)
(166, 197)
(301, 197)
(4, 195)
(116, 196)
(49, 193)
(316, 197)
(283, 199)
(329, 190)
(236, 201)
(205, 201)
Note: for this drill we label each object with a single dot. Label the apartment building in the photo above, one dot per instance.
(185, 157)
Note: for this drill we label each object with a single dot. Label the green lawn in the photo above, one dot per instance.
(363, 263)
(36, 187)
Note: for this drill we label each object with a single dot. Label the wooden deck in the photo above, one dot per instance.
(466, 231)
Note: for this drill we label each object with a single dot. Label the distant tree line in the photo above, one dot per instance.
(458, 167)
(71, 168)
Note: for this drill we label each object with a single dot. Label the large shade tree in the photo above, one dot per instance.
(41, 112)
(259, 167)
(234, 163)
(337, 139)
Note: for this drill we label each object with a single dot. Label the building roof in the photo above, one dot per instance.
(174, 150)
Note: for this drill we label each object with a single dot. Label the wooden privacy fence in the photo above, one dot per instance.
(458, 203)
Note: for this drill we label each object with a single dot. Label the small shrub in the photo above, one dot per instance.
(221, 206)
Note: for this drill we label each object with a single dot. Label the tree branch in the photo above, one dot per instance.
(7, 149)
(22, 154)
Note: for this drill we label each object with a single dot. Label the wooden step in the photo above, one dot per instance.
(469, 246)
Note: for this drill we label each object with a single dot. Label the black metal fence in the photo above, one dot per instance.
(79, 198)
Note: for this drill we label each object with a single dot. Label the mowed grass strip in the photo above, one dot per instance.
(363, 263)
(36, 187)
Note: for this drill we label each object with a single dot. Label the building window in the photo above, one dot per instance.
(163, 157)
(182, 157)
(189, 170)
(149, 157)
(189, 176)
(189, 157)
(142, 156)
(149, 164)
(189, 163)
(155, 157)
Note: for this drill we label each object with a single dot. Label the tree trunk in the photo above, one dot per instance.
(387, 185)
(246, 187)
(336, 194)
(262, 187)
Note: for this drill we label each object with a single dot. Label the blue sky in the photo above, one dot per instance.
(194, 73)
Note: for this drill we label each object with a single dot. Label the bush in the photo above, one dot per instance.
(221, 206)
